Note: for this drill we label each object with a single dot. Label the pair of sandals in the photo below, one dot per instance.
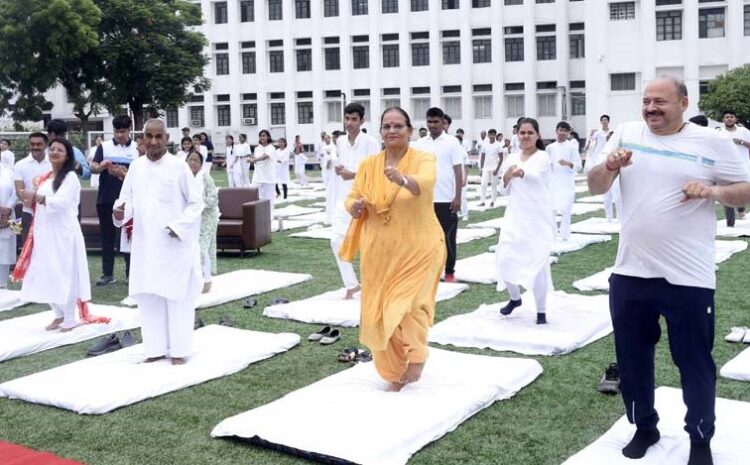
(354, 355)
(739, 334)
(326, 336)
(251, 302)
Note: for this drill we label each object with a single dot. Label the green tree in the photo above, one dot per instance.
(152, 59)
(730, 91)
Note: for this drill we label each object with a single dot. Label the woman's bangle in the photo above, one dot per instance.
(404, 181)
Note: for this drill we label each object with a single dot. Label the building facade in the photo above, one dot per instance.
(291, 65)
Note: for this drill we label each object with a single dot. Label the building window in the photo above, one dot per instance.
(452, 106)
(389, 6)
(304, 60)
(334, 111)
(480, 3)
(223, 115)
(332, 58)
(278, 113)
(419, 107)
(391, 102)
(250, 110)
(483, 107)
(275, 10)
(747, 20)
(359, 7)
(452, 52)
(247, 11)
(197, 117)
(420, 54)
(577, 103)
(390, 56)
(361, 56)
(450, 4)
(301, 9)
(669, 25)
(248, 62)
(220, 12)
(173, 120)
(419, 5)
(276, 61)
(514, 2)
(546, 104)
(545, 1)
(304, 112)
(622, 81)
(222, 64)
(621, 11)
(711, 23)
(577, 46)
(514, 105)
(546, 48)
(330, 8)
(481, 50)
(513, 43)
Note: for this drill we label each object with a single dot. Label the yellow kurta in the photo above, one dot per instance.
(402, 254)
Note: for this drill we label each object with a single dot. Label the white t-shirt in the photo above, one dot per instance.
(349, 156)
(282, 165)
(596, 147)
(492, 152)
(265, 170)
(662, 236)
(26, 169)
(563, 177)
(7, 159)
(448, 154)
(738, 133)
(515, 144)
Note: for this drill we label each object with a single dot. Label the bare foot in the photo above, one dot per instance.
(350, 292)
(394, 387)
(54, 325)
(154, 359)
(178, 361)
(206, 287)
(65, 330)
(413, 373)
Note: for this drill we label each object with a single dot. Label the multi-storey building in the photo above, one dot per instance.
(291, 65)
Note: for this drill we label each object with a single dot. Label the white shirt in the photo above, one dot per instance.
(282, 165)
(448, 154)
(349, 156)
(563, 177)
(662, 236)
(7, 159)
(265, 170)
(515, 144)
(738, 133)
(27, 169)
(596, 146)
(492, 152)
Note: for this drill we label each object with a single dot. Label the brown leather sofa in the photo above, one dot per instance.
(90, 219)
(245, 222)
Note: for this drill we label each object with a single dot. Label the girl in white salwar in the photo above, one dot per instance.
(264, 175)
(525, 242)
(8, 201)
(233, 163)
(53, 264)
(186, 146)
(300, 160)
(282, 167)
(209, 218)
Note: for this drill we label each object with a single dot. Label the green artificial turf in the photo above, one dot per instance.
(545, 423)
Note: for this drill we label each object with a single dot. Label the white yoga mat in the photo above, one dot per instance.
(316, 233)
(574, 321)
(293, 210)
(738, 368)
(591, 199)
(729, 446)
(107, 382)
(388, 426)
(584, 208)
(495, 223)
(239, 284)
(580, 188)
(600, 281)
(318, 217)
(575, 242)
(25, 335)
(500, 201)
(741, 228)
(292, 223)
(596, 226)
(464, 235)
(331, 309)
(480, 269)
(10, 300)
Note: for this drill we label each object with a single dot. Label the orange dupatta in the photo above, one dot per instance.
(24, 260)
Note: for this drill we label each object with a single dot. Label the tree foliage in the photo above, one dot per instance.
(730, 91)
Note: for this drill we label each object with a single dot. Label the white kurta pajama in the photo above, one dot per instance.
(564, 182)
(264, 174)
(8, 199)
(58, 272)
(165, 271)
(525, 241)
(328, 162)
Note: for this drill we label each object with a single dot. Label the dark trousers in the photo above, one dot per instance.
(636, 305)
(729, 215)
(26, 219)
(109, 236)
(283, 186)
(449, 222)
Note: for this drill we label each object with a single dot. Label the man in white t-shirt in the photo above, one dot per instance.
(741, 137)
(351, 149)
(7, 158)
(447, 192)
(481, 141)
(490, 159)
(466, 146)
(595, 146)
(671, 173)
(26, 170)
(566, 161)
(242, 152)
(515, 143)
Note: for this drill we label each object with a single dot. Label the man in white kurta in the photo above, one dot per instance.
(328, 162)
(162, 197)
(242, 152)
(8, 202)
(490, 160)
(351, 149)
(565, 164)
(596, 154)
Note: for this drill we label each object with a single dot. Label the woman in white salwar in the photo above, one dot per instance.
(525, 242)
(209, 218)
(8, 202)
(53, 262)
(264, 174)
(282, 167)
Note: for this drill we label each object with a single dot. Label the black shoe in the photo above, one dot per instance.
(610, 383)
(512, 304)
(127, 339)
(226, 321)
(106, 344)
(541, 318)
(279, 301)
(198, 323)
(104, 280)
(250, 302)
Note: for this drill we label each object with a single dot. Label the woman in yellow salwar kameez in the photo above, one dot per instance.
(402, 250)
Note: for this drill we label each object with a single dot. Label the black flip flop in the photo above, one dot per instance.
(349, 354)
(250, 302)
(279, 301)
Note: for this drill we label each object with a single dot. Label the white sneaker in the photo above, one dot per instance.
(128, 302)
(746, 339)
(738, 334)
